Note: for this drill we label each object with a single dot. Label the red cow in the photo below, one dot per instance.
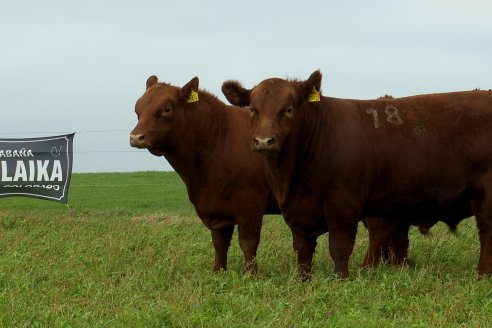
(207, 143)
(334, 161)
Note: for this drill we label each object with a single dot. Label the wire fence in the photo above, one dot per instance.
(75, 185)
(135, 151)
(63, 132)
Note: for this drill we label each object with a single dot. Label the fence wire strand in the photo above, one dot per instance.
(81, 132)
(74, 185)
(63, 132)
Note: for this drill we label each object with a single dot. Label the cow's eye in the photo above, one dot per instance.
(167, 109)
(287, 111)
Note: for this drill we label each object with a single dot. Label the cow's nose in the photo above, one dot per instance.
(262, 143)
(137, 140)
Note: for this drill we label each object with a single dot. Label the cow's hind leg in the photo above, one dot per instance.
(380, 232)
(221, 239)
(398, 250)
(482, 208)
(484, 224)
(304, 248)
(485, 235)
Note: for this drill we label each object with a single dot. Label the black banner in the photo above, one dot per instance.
(36, 167)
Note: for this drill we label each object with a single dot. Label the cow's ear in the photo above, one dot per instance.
(189, 91)
(235, 93)
(152, 80)
(311, 88)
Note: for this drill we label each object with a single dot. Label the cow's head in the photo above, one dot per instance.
(275, 105)
(160, 113)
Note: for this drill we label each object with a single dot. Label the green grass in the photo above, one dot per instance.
(131, 252)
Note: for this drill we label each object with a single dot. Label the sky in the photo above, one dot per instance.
(79, 66)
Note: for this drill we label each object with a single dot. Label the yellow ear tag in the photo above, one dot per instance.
(193, 96)
(314, 96)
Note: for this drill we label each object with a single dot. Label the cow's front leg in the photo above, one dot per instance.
(304, 248)
(341, 239)
(221, 239)
(249, 237)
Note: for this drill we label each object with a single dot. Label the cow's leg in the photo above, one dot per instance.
(221, 239)
(484, 224)
(485, 235)
(304, 248)
(342, 234)
(482, 208)
(249, 238)
(380, 232)
(398, 250)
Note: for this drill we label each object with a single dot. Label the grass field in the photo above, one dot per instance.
(130, 252)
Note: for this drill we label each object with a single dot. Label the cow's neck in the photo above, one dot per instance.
(306, 148)
(280, 169)
(203, 134)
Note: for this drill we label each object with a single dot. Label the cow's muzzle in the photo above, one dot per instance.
(262, 145)
(137, 140)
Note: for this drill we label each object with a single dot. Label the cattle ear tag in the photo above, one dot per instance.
(314, 96)
(193, 96)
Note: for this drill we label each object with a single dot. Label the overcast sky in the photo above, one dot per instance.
(79, 66)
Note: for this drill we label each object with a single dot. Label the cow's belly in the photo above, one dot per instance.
(450, 205)
(215, 212)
